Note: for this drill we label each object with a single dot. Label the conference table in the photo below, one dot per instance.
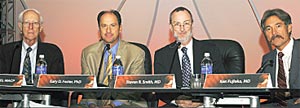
(253, 94)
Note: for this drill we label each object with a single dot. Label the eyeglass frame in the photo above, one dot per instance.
(178, 25)
(34, 24)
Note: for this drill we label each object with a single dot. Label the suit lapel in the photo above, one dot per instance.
(295, 60)
(272, 70)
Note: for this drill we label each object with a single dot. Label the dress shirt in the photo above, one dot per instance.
(287, 58)
(189, 47)
(113, 50)
(32, 55)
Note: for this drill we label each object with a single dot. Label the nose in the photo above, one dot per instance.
(108, 29)
(181, 28)
(274, 31)
(30, 25)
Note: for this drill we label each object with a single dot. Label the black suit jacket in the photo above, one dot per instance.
(10, 58)
(163, 59)
(10, 61)
(294, 75)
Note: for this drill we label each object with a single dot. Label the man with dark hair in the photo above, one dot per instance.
(20, 57)
(285, 73)
(132, 57)
(167, 61)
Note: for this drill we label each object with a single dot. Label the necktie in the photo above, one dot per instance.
(281, 80)
(27, 67)
(108, 68)
(186, 68)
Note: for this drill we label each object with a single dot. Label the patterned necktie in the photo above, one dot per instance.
(186, 68)
(27, 67)
(108, 68)
(281, 80)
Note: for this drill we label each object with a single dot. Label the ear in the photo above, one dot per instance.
(120, 31)
(41, 28)
(171, 27)
(20, 26)
(290, 28)
(99, 35)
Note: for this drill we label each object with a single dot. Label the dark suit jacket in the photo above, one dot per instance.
(294, 75)
(163, 59)
(10, 61)
(10, 58)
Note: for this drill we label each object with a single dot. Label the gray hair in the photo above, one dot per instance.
(26, 10)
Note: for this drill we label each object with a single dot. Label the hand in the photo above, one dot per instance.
(187, 103)
(297, 101)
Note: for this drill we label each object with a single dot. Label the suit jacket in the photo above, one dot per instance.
(294, 75)
(10, 58)
(132, 58)
(10, 61)
(163, 62)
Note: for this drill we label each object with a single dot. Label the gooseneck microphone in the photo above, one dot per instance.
(16, 46)
(264, 65)
(176, 46)
(107, 47)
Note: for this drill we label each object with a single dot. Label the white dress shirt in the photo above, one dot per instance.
(287, 58)
(32, 55)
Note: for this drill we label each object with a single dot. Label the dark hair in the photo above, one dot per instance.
(180, 9)
(282, 15)
(116, 13)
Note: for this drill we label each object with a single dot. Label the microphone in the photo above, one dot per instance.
(176, 46)
(16, 46)
(264, 65)
(107, 47)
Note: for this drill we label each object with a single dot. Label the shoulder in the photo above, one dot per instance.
(92, 47)
(166, 49)
(270, 54)
(11, 45)
(49, 46)
(132, 47)
(204, 43)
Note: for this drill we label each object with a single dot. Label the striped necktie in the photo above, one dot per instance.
(108, 68)
(27, 67)
(281, 80)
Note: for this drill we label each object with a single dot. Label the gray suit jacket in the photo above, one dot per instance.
(132, 58)
(294, 75)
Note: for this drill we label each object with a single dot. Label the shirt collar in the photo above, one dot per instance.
(25, 46)
(188, 46)
(114, 49)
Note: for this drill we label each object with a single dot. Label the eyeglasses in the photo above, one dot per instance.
(34, 24)
(178, 25)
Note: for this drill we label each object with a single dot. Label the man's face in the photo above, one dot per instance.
(31, 26)
(109, 28)
(181, 26)
(277, 32)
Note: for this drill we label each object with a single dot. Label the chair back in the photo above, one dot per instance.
(232, 53)
(148, 61)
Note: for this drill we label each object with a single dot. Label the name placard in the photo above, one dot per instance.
(65, 81)
(163, 81)
(237, 80)
(12, 80)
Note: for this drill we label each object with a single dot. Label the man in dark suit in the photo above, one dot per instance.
(167, 60)
(13, 55)
(285, 73)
